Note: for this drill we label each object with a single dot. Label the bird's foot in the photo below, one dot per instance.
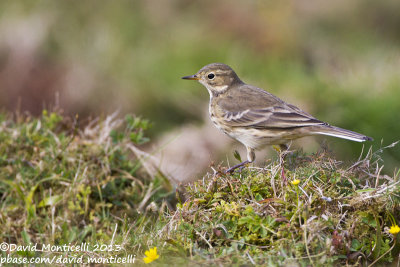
(231, 169)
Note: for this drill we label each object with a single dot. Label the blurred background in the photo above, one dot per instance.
(339, 60)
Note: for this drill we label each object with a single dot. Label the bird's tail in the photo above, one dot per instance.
(342, 133)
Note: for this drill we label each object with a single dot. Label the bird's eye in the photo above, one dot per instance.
(211, 76)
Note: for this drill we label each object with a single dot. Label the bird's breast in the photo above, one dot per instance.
(217, 119)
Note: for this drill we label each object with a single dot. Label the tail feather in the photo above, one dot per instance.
(342, 133)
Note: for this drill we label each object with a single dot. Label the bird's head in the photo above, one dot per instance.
(216, 77)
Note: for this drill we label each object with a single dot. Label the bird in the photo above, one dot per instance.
(257, 118)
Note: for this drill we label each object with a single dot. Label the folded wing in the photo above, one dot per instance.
(276, 117)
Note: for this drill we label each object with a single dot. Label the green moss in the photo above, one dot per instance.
(65, 184)
(334, 216)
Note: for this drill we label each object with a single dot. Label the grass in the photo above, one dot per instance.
(335, 215)
(64, 183)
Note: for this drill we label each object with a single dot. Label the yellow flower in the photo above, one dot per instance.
(295, 182)
(394, 229)
(151, 255)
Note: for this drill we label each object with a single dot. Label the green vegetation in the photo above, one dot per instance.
(60, 184)
(327, 215)
(64, 184)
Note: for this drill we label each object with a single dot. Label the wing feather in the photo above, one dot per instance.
(259, 109)
(269, 118)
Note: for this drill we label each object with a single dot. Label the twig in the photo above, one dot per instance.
(382, 255)
(147, 196)
(377, 177)
(199, 234)
(115, 230)
(306, 243)
(250, 258)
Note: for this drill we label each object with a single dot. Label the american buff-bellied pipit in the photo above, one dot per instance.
(255, 117)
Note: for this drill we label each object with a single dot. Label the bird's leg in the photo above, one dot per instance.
(250, 158)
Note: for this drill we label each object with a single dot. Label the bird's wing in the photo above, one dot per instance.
(264, 111)
(268, 118)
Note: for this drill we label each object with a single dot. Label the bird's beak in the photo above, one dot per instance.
(191, 77)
